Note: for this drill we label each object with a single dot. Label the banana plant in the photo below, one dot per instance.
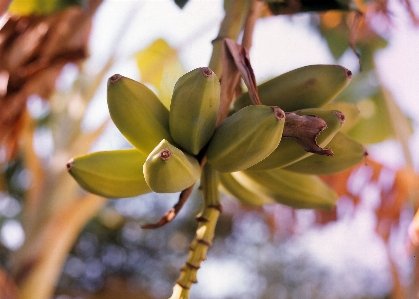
(264, 146)
(231, 148)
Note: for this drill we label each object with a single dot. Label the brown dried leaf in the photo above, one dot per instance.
(242, 62)
(305, 130)
(229, 82)
(34, 49)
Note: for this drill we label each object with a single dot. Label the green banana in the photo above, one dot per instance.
(245, 138)
(347, 153)
(138, 113)
(289, 151)
(115, 173)
(247, 196)
(351, 112)
(296, 190)
(194, 109)
(306, 87)
(168, 169)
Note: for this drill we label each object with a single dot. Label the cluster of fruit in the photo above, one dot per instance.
(257, 162)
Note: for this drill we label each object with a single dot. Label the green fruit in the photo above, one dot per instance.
(168, 169)
(245, 138)
(290, 151)
(306, 87)
(245, 195)
(138, 113)
(194, 109)
(289, 188)
(351, 112)
(110, 173)
(347, 153)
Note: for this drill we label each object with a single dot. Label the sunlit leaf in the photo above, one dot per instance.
(374, 124)
(380, 117)
(335, 32)
(159, 65)
(39, 7)
(344, 31)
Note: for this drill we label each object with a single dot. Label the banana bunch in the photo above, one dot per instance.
(279, 186)
(257, 161)
(289, 174)
(166, 144)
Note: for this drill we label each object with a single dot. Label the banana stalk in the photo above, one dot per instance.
(204, 234)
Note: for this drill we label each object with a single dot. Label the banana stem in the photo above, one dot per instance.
(204, 234)
(254, 13)
(231, 26)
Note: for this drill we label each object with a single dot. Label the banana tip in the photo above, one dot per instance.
(279, 113)
(70, 164)
(341, 116)
(114, 78)
(165, 154)
(348, 74)
(207, 72)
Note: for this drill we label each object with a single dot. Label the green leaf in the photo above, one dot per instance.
(159, 65)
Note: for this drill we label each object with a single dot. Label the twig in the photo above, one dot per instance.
(171, 214)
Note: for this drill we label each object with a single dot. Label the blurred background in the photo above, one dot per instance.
(54, 63)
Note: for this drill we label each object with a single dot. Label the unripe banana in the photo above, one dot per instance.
(138, 113)
(351, 112)
(347, 153)
(168, 169)
(293, 189)
(110, 173)
(306, 87)
(245, 138)
(247, 196)
(290, 151)
(194, 109)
